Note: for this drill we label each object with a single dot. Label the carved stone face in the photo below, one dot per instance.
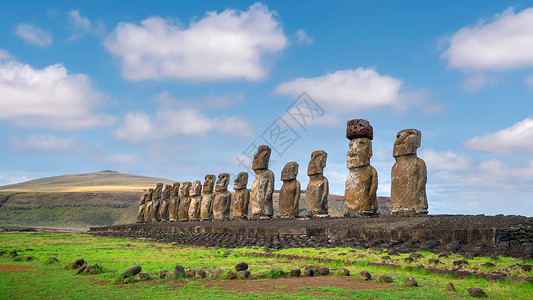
(184, 189)
(317, 163)
(175, 189)
(290, 171)
(406, 142)
(261, 158)
(196, 188)
(209, 183)
(241, 181)
(222, 182)
(159, 186)
(359, 153)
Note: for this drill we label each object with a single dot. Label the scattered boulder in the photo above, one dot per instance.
(527, 268)
(79, 262)
(217, 273)
(164, 274)
(81, 270)
(408, 259)
(141, 277)
(51, 260)
(453, 245)
(17, 258)
(528, 252)
(385, 258)
(28, 258)
(201, 273)
(190, 272)
(232, 275)
(323, 270)
(365, 275)
(309, 272)
(433, 261)
(450, 286)
(241, 266)
(3, 252)
(415, 256)
(178, 271)
(410, 281)
(295, 272)
(476, 292)
(12, 254)
(488, 265)
(385, 279)
(244, 273)
(443, 255)
(460, 263)
(132, 271)
(529, 279)
(344, 272)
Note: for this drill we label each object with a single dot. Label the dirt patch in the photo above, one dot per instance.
(292, 285)
(14, 268)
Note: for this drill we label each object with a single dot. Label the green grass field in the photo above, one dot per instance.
(53, 281)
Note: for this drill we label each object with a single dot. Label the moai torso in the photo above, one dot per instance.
(263, 185)
(156, 201)
(316, 195)
(185, 200)
(289, 195)
(140, 212)
(196, 199)
(148, 206)
(165, 201)
(408, 175)
(241, 197)
(362, 182)
(222, 202)
(174, 202)
(206, 209)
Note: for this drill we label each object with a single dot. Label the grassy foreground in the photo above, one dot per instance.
(53, 281)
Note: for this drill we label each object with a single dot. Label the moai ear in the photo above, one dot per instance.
(369, 148)
(418, 138)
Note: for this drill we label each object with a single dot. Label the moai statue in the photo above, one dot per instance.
(222, 202)
(196, 199)
(148, 206)
(174, 202)
(156, 202)
(185, 200)
(142, 205)
(263, 186)
(165, 201)
(289, 195)
(241, 198)
(362, 182)
(206, 209)
(408, 176)
(316, 195)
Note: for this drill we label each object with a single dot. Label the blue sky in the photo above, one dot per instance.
(183, 89)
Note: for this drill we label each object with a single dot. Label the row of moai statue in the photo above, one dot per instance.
(194, 202)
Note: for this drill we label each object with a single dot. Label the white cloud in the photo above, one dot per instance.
(476, 82)
(48, 97)
(220, 46)
(529, 81)
(80, 25)
(515, 139)
(501, 43)
(445, 160)
(5, 180)
(43, 142)
(170, 122)
(34, 35)
(302, 37)
(118, 159)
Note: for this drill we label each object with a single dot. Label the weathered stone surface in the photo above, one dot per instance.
(222, 202)
(12, 254)
(450, 286)
(165, 202)
(241, 266)
(190, 272)
(174, 202)
(244, 273)
(362, 182)
(289, 195)
(241, 197)
(365, 275)
(232, 275)
(309, 272)
(385, 279)
(323, 270)
(263, 185)
(476, 292)
(142, 207)
(316, 198)
(178, 271)
(410, 281)
(408, 175)
(185, 200)
(148, 206)
(156, 202)
(206, 209)
(295, 272)
(164, 274)
(344, 272)
(51, 260)
(142, 277)
(196, 199)
(359, 128)
(460, 263)
(132, 271)
(201, 273)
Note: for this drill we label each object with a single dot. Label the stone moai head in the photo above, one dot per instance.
(359, 153)
(317, 162)
(290, 171)
(196, 188)
(241, 181)
(184, 189)
(150, 190)
(261, 158)
(209, 183)
(159, 186)
(222, 182)
(407, 141)
(175, 189)
(167, 187)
